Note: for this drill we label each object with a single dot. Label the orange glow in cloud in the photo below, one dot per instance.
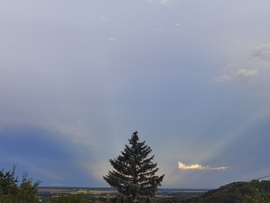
(199, 167)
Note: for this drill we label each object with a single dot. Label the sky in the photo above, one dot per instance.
(77, 78)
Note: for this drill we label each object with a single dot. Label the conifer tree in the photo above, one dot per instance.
(12, 192)
(134, 172)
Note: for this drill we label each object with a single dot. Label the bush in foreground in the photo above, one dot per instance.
(69, 198)
(12, 192)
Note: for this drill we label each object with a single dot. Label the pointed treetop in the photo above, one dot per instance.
(134, 175)
(135, 137)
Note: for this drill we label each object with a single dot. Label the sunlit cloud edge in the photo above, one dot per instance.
(183, 166)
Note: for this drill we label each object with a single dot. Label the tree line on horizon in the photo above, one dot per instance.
(134, 177)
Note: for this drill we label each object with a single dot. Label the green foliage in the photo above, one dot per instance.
(69, 198)
(258, 197)
(28, 190)
(237, 192)
(11, 192)
(8, 182)
(134, 175)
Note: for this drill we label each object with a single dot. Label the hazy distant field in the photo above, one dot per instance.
(59, 190)
(56, 190)
(94, 192)
(103, 191)
(162, 195)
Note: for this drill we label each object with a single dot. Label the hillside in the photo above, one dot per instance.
(237, 192)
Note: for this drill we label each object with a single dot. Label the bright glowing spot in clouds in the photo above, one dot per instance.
(199, 167)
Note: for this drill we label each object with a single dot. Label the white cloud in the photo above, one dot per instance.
(183, 166)
(262, 52)
(235, 72)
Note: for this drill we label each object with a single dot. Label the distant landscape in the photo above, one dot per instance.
(45, 193)
(236, 192)
(112, 191)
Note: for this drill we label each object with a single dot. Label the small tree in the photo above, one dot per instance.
(8, 182)
(134, 175)
(12, 192)
(28, 190)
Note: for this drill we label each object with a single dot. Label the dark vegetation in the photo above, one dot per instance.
(243, 192)
(27, 191)
(11, 191)
(134, 173)
(132, 180)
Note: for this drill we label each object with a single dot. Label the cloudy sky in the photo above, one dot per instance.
(77, 78)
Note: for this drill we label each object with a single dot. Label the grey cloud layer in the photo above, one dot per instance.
(236, 72)
(262, 52)
(122, 66)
